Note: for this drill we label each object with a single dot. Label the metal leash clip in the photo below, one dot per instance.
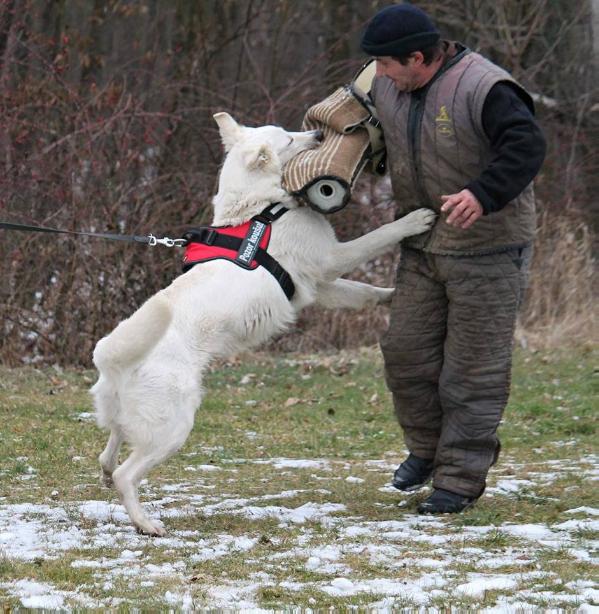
(152, 240)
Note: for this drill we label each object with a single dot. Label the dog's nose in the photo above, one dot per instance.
(319, 135)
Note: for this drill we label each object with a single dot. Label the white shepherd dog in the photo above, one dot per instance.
(151, 365)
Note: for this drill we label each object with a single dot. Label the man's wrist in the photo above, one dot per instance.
(486, 202)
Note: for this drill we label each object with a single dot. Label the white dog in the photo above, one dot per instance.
(151, 365)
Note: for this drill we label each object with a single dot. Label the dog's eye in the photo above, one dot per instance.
(290, 141)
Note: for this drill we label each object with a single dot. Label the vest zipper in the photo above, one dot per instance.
(415, 115)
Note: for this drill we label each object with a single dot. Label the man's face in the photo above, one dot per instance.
(405, 77)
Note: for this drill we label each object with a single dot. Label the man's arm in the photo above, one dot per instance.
(519, 147)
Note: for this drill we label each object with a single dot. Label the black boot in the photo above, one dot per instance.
(445, 502)
(413, 473)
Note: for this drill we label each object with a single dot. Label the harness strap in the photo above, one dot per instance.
(209, 235)
(277, 271)
(271, 213)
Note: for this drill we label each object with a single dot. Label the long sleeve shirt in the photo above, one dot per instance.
(518, 144)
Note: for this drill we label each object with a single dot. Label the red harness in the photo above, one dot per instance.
(243, 245)
(204, 252)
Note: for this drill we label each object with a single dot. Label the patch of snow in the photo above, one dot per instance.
(416, 590)
(528, 531)
(208, 468)
(575, 525)
(286, 494)
(390, 488)
(237, 596)
(509, 560)
(326, 566)
(554, 598)
(380, 465)
(185, 602)
(86, 416)
(298, 463)
(292, 586)
(299, 515)
(510, 486)
(24, 534)
(38, 596)
(342, 586)
(581, 555)
(583, 510)
(477, 584)
(103, 511)
(42, 596)
(222, 546)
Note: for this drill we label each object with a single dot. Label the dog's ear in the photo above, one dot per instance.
(230, 130)
(260, 158)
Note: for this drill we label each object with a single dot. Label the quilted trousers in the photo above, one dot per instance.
(448, 354)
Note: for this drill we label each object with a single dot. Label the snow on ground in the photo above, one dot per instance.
(429, 546)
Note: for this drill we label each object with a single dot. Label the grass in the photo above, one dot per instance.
(332, 410)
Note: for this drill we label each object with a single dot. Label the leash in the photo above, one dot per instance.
(246, 249)
(150, 240)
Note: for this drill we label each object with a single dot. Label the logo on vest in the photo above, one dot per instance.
(444, 123)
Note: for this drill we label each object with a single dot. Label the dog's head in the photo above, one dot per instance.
(264, 148)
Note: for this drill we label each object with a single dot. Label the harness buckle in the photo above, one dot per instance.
(209, 236)
(152, 241)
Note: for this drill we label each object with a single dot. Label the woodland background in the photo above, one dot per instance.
(106, 125)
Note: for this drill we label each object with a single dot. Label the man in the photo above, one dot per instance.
(461, 139)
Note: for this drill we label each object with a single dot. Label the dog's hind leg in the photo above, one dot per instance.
(110, 456)
(107, 404)
(126, 480)
(163, 442)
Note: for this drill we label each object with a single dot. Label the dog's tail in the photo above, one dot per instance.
(135, 336)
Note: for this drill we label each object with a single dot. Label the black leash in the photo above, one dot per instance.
(205, 234)
(150, 240)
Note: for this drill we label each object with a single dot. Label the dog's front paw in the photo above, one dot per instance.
(418, 221)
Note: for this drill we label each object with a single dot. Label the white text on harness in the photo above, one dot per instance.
(249, 247)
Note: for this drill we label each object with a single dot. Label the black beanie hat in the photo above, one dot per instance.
(398, 30)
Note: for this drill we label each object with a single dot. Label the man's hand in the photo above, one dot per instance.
(464, 208)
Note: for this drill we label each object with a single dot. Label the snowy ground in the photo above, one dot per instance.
(316, 549)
